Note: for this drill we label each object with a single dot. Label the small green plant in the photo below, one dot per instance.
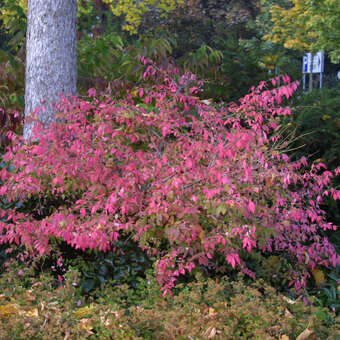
(125, 266)
(330, 292)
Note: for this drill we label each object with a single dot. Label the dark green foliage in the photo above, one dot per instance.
(329, 293)
(316, 121)
(316, 116)
(12, 77)
(124, 266)
(4, 38)
(4, 204)
(112, 62)
(239, 70)
(13, 34)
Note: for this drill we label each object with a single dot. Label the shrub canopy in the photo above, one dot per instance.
(188, 181)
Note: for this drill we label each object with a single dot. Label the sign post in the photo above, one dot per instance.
(312, 63)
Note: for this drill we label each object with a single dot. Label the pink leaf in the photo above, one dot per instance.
(251, 206)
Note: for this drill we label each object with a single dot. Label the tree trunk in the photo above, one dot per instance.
(51, 57)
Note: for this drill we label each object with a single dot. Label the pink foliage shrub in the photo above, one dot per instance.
(187, 180)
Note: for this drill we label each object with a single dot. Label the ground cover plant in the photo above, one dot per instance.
(202, 309)
(193, 184)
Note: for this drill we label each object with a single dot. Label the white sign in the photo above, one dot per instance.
(318, 62)
(305, 64)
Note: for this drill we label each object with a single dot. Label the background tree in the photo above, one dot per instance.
(133, 11)
(51, 57)
(308, 25)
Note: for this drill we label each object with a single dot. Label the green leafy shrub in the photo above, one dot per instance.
(316, 117)
(12, 75)
(330, 292)
(112, 62)
(123, 266)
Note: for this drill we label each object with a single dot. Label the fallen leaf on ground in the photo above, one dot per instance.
(290, 301)
(319, 276)
(210, 332)
(7, 310)
(85, 324)
(33, 312)
(305, 334)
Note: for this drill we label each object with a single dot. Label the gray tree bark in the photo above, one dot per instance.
(51, 58)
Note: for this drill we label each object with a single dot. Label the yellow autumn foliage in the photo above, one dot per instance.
(308, 26)
(8, 310)
(83, 312)
(133, 10)
(318, 276)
